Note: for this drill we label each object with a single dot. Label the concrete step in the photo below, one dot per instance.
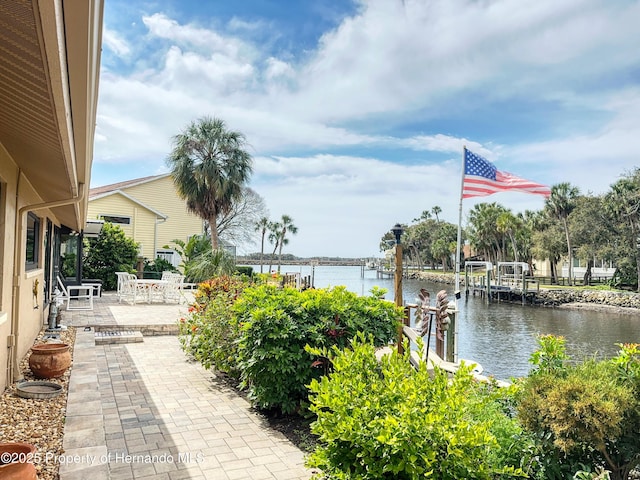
(148, 330)
(105, 337)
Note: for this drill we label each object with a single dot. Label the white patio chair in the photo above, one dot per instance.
(173, 287)
(129, 289)
(122, 277)
(82, 294)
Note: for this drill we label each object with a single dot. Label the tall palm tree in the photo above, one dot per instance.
(436, 210)
(274, 237)
(286, 226)
(262, 226)
(508, 225)
(560, 204)
(483, 231)
(209, 166)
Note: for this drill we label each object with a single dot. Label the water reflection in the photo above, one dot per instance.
(501, 337)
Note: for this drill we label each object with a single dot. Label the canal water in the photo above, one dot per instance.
(499, 336)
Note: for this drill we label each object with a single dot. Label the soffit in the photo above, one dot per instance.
(37, 76)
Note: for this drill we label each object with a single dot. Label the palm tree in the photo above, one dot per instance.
(262, 226)
(436, 210)
(274, 237)
(509, 225)
(209, 166)
(483, 231)
(560, 204)
(425, 215)
(286, 226)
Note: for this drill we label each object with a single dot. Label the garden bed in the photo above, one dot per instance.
(39, 422)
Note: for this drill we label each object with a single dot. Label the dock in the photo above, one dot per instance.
(508, 282)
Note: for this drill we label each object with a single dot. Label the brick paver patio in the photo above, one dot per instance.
(143, 411)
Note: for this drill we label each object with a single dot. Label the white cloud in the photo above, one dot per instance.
(161, 26)
(115, 42)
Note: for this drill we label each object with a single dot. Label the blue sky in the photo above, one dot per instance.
(356, 112)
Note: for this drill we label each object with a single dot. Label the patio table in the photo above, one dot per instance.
(150, 287)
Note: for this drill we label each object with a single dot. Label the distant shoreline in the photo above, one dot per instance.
(354, 262)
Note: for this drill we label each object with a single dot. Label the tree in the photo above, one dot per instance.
(624, 202)
(197, 246)
(548, 244)
(237, 226)
(111, 252)
(210, 167)
(262, 226)
(274, 238)
(425, 215)
(436, 210)
(286, 226)
(591, 228)
(524, 236)
(483, 231)
(560, 204)
(444, 242)
(210, 264)
(508, 225)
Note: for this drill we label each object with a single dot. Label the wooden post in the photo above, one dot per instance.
(406, 320)
(451, 337)
(398, 277)
(488, 285)
(398, 291)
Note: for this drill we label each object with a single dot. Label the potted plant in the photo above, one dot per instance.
(16, 461)
(49, 360)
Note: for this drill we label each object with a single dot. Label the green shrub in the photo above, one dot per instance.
(158, 266)
(244, 270)
(279, 323)
(210, 332)
(584, 413)
(387, 420)
(111, 252)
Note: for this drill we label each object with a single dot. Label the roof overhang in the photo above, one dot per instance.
(49, 71)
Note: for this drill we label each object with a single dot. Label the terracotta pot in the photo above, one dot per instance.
(49, 360)
(16, 461)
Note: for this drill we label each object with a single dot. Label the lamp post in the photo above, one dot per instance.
(397, 232)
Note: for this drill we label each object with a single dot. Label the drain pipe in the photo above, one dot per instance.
(13, 366)
(155, 235)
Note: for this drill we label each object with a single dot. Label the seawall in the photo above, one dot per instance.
(565, 298)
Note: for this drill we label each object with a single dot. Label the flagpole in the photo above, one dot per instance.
(458, 245)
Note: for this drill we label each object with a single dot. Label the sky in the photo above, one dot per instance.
(356, 112)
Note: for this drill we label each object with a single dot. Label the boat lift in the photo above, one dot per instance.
(478, 283)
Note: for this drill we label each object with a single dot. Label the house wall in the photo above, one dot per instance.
(30, 307)
(161, 195)
(142, 226)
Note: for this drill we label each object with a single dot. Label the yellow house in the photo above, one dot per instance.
(149, 211)
(49, 69)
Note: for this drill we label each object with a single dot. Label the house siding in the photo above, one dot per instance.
(141, 228)
(14, 195)
(161, 195)
(152, 231)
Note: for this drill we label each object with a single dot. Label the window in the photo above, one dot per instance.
(33, 242)
(118, 219)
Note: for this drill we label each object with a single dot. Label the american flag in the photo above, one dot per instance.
(482, 178)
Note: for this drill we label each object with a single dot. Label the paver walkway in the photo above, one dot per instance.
(143, 411)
